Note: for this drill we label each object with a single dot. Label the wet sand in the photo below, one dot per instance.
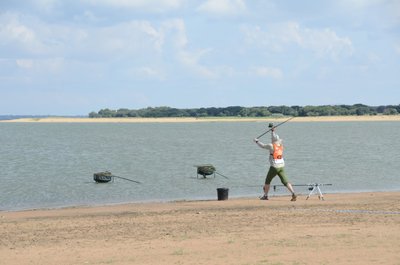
(359, 228)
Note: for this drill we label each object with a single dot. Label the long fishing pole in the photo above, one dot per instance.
(128, 179)
(273, 127)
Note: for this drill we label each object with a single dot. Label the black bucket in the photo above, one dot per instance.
(222, 194)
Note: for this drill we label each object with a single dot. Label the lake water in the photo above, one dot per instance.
(51, 165)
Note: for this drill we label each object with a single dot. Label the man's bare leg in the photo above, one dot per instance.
(290, 188)
(266, 190)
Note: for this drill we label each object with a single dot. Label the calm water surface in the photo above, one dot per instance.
(52, 165)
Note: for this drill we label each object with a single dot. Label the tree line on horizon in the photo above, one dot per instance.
(262, 111)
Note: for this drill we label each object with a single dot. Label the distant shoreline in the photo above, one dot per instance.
(205, 119)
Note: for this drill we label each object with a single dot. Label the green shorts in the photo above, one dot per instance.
(272, 172)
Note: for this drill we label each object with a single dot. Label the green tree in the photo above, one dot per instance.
(107, 113)
(122, 113)
(94, 115)
(390, 111)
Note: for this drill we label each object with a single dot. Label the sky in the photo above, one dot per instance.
(74, 57)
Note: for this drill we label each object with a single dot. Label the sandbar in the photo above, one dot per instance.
(207, 119)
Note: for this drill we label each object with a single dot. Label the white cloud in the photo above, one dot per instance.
(126, 38)
(46, 5)
(87, 16)
(394, 10)
(372, 13)
(326, 42)
(13, 31)
(24, 63)
(142, 5)
(175, 28)
(147, 72)
(24, 34)
(373, 58)
(271, 72)
(132, 42)
(359, 4)
(176, 31)
(191, 60)
(53, 65)
(223, 7)
(397, 49)
(280, 37)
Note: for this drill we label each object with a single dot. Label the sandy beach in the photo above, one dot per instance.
(360, 228)
(210, 119)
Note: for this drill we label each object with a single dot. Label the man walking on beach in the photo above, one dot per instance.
(277, 164)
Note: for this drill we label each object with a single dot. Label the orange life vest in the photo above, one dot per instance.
(278, 152)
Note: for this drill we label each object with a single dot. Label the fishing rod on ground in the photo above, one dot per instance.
(310, 186)
(273, 127)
